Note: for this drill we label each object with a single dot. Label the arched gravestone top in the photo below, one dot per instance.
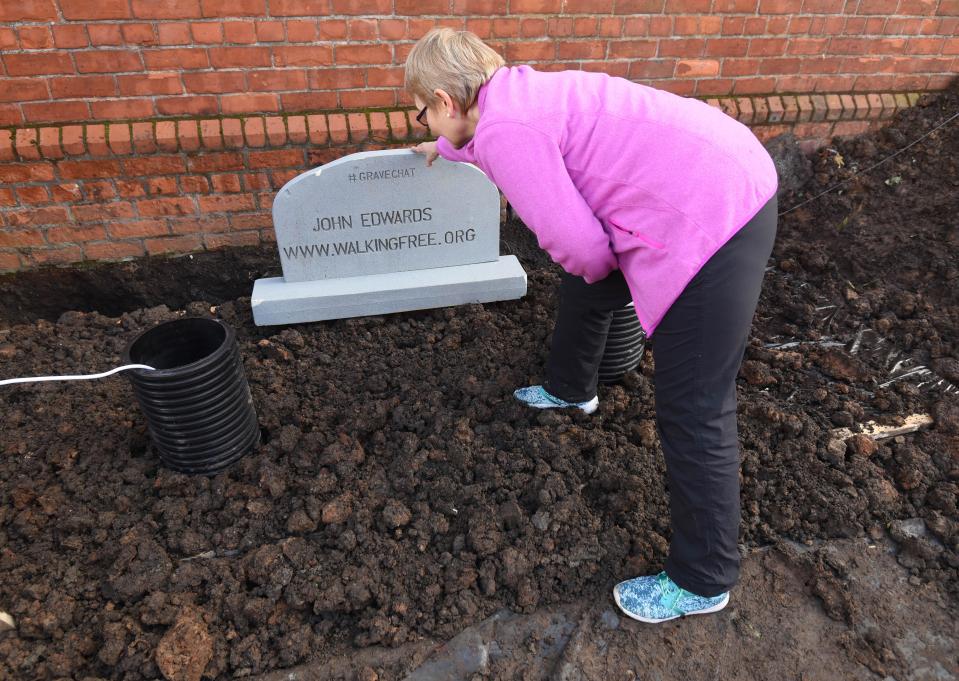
(385, 211)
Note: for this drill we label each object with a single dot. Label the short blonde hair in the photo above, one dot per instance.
(457, 62)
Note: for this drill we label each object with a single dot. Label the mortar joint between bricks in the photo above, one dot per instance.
(326, 120)
(389, 129)
(106, 136)
(369, 126)
(199, 133)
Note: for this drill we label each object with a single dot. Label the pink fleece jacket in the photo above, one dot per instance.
(611, 174)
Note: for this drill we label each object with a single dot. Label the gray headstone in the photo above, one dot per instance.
(380, 232)
(385, 211)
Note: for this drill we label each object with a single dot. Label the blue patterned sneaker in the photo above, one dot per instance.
(536, 396)
(657, 598)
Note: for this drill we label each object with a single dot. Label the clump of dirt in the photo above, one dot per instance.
(185, 650)
(401, 492)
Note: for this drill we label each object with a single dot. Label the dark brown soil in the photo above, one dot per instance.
(401, 492)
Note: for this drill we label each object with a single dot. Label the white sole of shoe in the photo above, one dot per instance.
(648, 620)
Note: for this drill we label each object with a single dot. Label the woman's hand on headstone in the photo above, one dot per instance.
(428, 149)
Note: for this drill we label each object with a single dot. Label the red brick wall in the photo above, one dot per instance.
(75, 60)
(117, 191)
(133, 127)
(108, 192)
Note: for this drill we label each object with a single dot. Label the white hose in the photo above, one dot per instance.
(84, 377)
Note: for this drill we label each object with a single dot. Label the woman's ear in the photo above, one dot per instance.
(449, 106)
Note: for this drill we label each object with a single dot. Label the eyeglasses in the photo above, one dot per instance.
(421, 117)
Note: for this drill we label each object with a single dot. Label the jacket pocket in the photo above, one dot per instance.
(637, 235)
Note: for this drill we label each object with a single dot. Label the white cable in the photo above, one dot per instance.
(84, 377)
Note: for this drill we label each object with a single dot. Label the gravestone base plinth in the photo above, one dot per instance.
(276, 301)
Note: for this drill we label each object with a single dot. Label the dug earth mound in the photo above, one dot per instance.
(401, 495)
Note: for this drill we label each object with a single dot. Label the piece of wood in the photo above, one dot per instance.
(910, 424)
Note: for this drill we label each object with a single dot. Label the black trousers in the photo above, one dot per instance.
(697, 350)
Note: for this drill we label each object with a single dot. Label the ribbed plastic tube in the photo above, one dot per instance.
(197, 402)
(624, 345)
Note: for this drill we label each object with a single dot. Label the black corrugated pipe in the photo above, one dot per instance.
(197, 403)
(624, 345)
